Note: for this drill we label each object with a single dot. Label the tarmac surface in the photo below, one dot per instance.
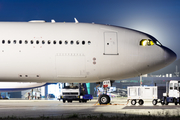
(37, 108)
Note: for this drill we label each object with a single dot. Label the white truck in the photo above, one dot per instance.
(74, 92)
(163, 95)
(69, 92)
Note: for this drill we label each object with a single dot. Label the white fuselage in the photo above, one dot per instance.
(103, 53)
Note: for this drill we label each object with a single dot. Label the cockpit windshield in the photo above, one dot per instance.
(154, 40)
(149, 42)
(146, 42)
(70, 85)
(151, 38)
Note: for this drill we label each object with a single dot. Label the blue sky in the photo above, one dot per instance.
(160, 18)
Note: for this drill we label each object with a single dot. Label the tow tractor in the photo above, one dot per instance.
(172, 94)
(155, 93)
(74, 92)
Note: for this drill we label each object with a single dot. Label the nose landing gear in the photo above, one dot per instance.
(104, 98)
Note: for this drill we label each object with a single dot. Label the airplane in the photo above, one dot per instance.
(39, 51)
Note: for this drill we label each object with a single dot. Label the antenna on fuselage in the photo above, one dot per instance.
(76, 21)
(53, 21)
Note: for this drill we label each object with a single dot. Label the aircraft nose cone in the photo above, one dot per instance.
(169, 55)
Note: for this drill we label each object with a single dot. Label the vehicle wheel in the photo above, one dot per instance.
(104, 99)
(162, 102)
(84, 101)
(165, 101)
(175, 101)
(80, 101)
(133, 102)
(141, 102)
(64, 101)
(154, 102)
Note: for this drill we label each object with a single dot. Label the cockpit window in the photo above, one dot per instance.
(154, 40)
(158, 43)
(146, 42)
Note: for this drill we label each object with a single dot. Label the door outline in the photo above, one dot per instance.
(110, 43)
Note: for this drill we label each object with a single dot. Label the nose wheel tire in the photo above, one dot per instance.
(104, 99)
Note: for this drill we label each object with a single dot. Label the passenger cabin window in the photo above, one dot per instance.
(14, 41)
(3, 41)
(66, 42)
(89, 42)
(20, 41)
(26, 42)
(54, 42)
(43, 42)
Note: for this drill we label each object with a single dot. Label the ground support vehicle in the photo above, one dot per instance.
(158, 94)
(74, 92)
(140, 93)
(172, 94)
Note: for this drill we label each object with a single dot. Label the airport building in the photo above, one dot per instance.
(118, 88)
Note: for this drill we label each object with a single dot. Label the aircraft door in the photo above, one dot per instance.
(110, 43)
